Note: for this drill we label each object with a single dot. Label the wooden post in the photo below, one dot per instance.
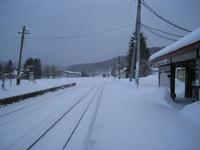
(172, 82)
(159, 70)
(187, 82)
(20, 55)
(197, 73)
(198, 78)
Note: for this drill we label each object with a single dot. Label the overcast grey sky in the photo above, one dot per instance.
(93, 16)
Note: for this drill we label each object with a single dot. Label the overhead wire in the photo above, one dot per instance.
(150, 29)
(162, 18)
(80, 35)
(147, 38)
(6, 30)
(8, 37)
(72, 36)
(84, 6)
(157, 9)
(125, 21)
(156, 34)
(155, 29)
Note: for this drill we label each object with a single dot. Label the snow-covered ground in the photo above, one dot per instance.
(140, 118)
(27, 87)
(119, 117)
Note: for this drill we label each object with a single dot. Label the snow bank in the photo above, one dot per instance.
(192, 113)
(41, 84)
(141, 119)
(145, 82)
(128, 118)
(27, 87)
(187, 40)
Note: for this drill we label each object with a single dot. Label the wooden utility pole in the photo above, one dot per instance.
(133, 59)
(136, 47)
(20, 55)
(138, 27)
(118, 67)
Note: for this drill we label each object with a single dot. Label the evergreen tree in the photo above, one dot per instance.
(1, 71)
(46, 71)
(84, 74)
(28, 67)
(33, 65)
(9, 67)
(54, 71)
(129, 55)
(37, 68)
(144, 56)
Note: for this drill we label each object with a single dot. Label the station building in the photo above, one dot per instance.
(180, 60)
(71, 74)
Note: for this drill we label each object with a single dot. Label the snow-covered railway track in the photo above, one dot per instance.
(83, 114)
(31, 108)
(35, 134)
(59, 119)
(46, 98)
(44, 101)
(89, 100)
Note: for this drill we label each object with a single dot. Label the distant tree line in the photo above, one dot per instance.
(50, 71)
(46, 71)
(84, 74)
(7, 69)
(32, 65)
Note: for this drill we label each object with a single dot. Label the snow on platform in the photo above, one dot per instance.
(27, 87)
(139, 118)
(192, 112)
(128, 118)
(185, 41)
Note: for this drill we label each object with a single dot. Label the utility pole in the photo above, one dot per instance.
(135, 61)
(20, 55)
(138, 27)
(119, 67)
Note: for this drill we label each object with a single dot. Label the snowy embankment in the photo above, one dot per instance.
(27, 87)
(140, 118)
(192, 112)
(127, 118)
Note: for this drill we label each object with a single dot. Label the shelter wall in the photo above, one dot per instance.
(164, 76)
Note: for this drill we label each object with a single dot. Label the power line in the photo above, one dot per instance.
(125, 21)
(156, 8)
(156, 34)
(5, 29)
(73, 36)
(9, 37)
(148, 38)
(67, 12)
(162, 18)
(81, 35)
(151, 28)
